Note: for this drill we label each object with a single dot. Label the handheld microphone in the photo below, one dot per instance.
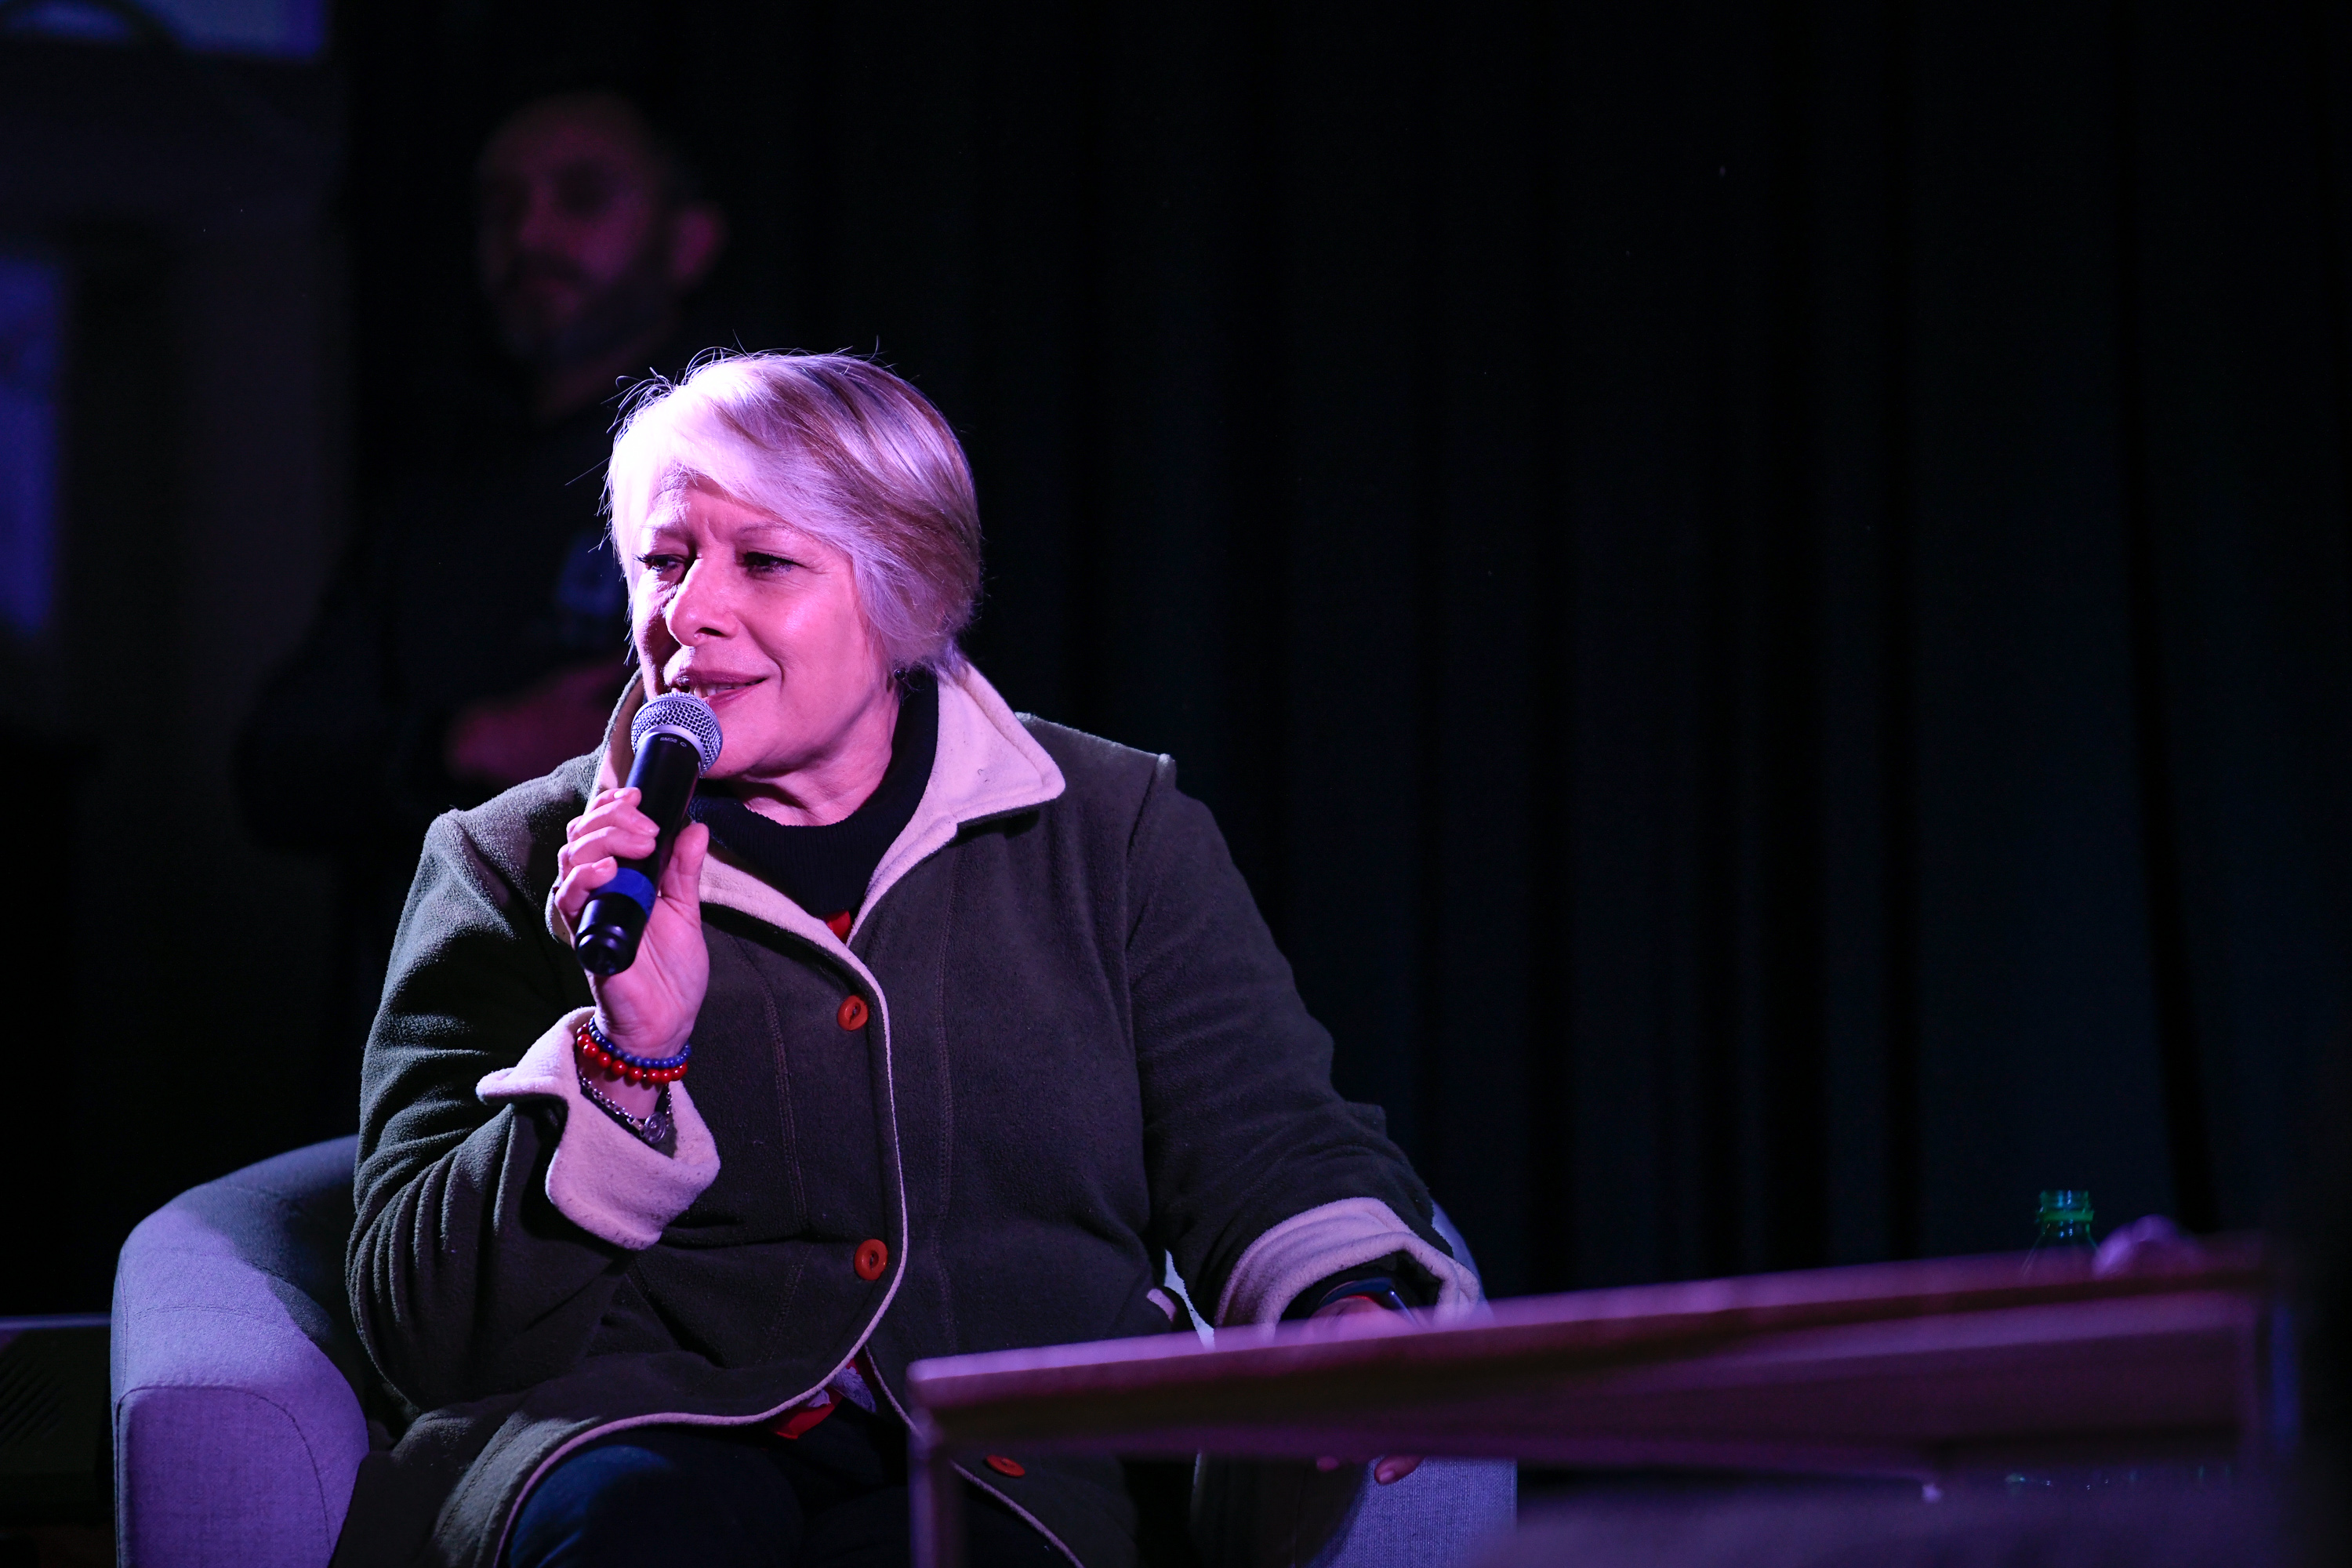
(677, 739)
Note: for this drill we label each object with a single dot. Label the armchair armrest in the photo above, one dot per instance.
(238, 1427)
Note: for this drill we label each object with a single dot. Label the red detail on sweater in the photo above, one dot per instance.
(806, 1417)
(842, 922)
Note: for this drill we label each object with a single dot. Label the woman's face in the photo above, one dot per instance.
(761, 621)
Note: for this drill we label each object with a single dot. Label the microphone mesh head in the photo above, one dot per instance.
(683, 715)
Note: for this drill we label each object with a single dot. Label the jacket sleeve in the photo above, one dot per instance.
(493, 1225)
(1264, 1181)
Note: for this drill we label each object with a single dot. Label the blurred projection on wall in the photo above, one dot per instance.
(32, 326)
(277, 30)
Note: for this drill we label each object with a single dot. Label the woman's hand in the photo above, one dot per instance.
(1390, 1468)
(647, 1009)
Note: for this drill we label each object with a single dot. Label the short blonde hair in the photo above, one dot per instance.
(829, 443)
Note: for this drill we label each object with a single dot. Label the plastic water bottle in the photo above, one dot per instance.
(2062, 1229)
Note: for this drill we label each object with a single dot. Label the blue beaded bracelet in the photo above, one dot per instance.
(614, 1062)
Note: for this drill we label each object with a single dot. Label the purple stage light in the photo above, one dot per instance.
(274, 29)
(32, 331)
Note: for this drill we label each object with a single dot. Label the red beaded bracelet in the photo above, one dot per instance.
(612, 1062)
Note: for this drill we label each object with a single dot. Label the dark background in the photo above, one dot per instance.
(1762, 589)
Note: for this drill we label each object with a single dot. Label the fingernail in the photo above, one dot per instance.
(1384, 1473)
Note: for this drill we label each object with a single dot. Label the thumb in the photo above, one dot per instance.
(681, 880)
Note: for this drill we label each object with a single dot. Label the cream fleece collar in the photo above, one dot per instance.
(986, 765)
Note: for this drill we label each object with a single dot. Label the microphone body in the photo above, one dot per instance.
(677, 738)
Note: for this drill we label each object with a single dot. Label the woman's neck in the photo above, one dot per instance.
(839, 779)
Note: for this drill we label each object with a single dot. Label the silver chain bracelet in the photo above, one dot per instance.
(652, 1129)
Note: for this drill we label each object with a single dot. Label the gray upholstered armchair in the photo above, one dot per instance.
(238, 1426)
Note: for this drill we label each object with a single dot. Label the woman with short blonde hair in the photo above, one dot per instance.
(945, 1024)
(851, 453)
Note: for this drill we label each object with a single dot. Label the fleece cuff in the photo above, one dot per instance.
(1323, 1241)
(603, 1178)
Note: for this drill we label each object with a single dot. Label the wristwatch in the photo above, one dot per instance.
(1378, 1289)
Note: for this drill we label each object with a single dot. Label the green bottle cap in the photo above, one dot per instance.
(2065, 1205)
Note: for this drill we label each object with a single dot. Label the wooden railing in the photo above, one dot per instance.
(1924, 1369)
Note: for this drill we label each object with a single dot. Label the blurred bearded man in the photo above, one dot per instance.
(586, 239)
(475, 635)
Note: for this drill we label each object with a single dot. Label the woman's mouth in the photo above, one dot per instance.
(714, 689)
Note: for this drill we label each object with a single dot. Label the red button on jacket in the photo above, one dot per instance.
(872, 1257)
(853, 1013)
(1004, 1466)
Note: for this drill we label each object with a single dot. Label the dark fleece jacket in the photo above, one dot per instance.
(1084, 1047)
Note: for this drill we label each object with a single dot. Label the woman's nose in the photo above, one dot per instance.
(699, 609)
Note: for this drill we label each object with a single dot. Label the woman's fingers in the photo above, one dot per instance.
(649, 1007)
(588, 865)
(611, 829)
(579, 885)
(600, 850)
(593, 839)
(1388, 1470)
(607, 841)
(597, 802)
(607, 808)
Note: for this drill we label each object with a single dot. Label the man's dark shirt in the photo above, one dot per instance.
(473, 581)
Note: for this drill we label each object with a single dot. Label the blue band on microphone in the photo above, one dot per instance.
(631, 884)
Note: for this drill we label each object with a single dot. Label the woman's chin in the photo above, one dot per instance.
(741, 758)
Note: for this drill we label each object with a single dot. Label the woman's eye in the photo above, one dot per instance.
(767, 565)
(660, 564)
